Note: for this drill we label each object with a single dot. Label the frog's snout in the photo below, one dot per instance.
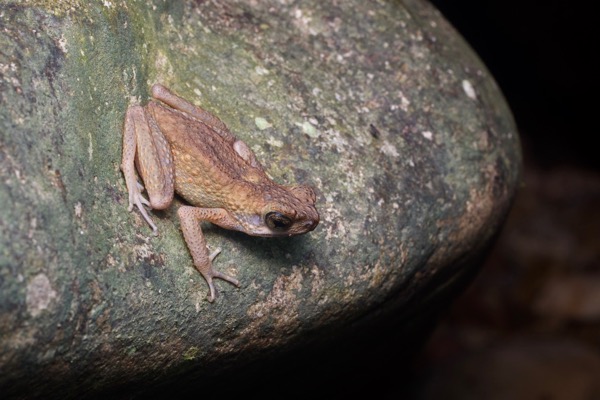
(311, 224)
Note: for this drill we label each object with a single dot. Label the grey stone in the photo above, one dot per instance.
(379, 105)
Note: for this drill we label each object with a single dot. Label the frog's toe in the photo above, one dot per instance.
(227, 278)
(212, 294)
(144, 201)
(137, 200)
(215, 253)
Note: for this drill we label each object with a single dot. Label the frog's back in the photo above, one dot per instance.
(208, 170)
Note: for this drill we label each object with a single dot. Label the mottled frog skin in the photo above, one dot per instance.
(177, 147)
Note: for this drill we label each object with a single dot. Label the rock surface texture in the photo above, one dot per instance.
(379, 105)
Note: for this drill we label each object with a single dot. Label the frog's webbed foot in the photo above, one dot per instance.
(190, 218)
(212, 274)
(209, 274)
(136, 199)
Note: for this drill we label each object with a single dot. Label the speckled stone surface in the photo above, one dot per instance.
(379, 105)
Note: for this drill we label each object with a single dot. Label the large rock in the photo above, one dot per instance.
(379, 105)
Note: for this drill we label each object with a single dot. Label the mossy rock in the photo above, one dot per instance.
(380, 106)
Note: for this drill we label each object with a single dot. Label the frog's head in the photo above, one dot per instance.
(287, 211)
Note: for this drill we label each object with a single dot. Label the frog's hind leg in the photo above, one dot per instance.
(144, 146)
(159, 92)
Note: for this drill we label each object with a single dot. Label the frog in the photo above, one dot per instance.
(174, 147)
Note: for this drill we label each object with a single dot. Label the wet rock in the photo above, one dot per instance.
(380, 106)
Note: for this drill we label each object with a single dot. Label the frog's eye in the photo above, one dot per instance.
(277, 221)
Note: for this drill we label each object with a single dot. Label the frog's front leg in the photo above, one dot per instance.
(190, 218)
(145, 146)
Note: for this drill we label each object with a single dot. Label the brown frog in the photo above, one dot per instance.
(180, 148)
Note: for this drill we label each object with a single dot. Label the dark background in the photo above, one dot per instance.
(529, 325)
(544, 56)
